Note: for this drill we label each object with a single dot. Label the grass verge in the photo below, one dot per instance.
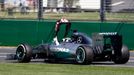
(61, 69)
(86, 16)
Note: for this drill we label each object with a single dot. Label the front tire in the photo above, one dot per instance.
(124, 57)
(24, 53)
(84, 55)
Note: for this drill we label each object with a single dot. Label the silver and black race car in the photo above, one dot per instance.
(78, 47)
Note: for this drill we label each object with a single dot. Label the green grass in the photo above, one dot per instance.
(73, 16)
(88, 16)
(61, 69)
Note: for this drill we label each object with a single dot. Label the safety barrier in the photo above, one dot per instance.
(34, 32)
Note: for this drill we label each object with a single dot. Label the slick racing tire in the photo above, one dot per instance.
(24, 53)
(84, 55)
(124, 57)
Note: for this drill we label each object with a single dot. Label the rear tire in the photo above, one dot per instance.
(84, 55)
(124, 57)
(24, 53)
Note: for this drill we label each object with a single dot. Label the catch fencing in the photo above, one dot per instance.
(87, 10)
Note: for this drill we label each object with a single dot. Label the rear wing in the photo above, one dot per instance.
(107, 40)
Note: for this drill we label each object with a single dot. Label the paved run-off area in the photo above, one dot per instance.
(4, 51)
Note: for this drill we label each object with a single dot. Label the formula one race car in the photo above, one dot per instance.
(78, 47)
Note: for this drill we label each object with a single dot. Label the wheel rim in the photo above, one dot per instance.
(20, 52)
(80, 55)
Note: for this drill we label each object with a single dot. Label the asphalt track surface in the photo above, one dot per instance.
(4, 51)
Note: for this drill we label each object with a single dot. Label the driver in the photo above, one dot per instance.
(58, 23)
(57, 28)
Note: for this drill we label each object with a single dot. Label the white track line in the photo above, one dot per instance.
(6, 53)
